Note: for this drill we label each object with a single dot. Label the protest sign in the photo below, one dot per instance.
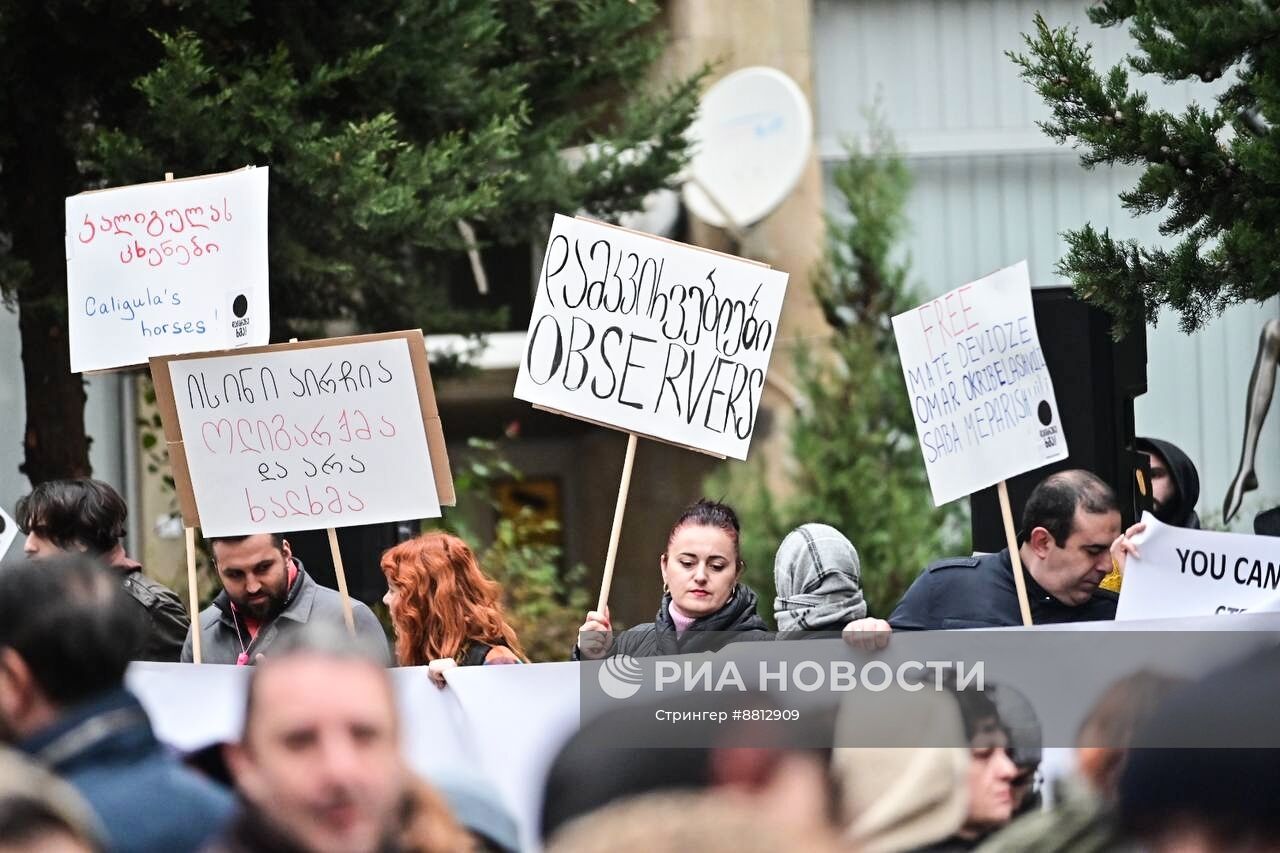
(328, 433)
(168, 267)
(1184, 572)
(980, 391)
(8, 532)
(650, 336)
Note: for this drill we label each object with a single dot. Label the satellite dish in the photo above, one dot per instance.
(751, 143)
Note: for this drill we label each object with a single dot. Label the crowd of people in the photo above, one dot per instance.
(318, 765)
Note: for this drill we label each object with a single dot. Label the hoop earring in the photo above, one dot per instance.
(665, 591)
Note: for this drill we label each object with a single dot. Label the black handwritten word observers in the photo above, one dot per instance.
(701, 337)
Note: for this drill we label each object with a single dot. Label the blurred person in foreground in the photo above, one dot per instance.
(319, 766)
(897, 798)
(681, 821)
(989, 775)
(66, 633)
(40, 813)
(446, 611)
(1083, 819)
(762, 763)
(88, 517)
(818, 578)
(1205, 768)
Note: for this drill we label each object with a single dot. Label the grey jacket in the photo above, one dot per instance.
(307, 601)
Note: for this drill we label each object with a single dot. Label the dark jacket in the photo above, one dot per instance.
(223, 637)
(166, 619)
(1181, 511)
(706, 634)
(147, 801)
(978, 592)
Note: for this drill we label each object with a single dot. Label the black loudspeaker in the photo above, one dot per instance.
(1095, 380)
(361, 548)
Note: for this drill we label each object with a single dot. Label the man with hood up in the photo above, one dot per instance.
(1175, 485)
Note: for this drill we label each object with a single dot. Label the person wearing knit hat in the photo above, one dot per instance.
(895, 798)
(819, 580)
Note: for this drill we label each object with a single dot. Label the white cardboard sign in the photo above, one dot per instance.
(1185, 572)
(167, 267)
(8, 532)
(304, 436)
(651, 336)
(980, 391)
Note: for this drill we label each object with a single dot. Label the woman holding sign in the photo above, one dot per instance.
(701, 594)
(446, 612)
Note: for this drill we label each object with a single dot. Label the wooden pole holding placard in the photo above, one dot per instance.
(616, 533)
(193, 585)
(1012, 538)
(194, 593)
(341, 574)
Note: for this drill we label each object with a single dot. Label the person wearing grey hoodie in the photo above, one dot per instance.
(819, 581)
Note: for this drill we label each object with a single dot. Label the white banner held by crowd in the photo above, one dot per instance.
(1186, 572)
(303, 436)
(651, 337)
(167, 267)
(979, 388)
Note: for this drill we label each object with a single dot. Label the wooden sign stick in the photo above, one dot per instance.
(194, 593)
(1016, 558)
(193, 587)
(341, 574)
(616, 533)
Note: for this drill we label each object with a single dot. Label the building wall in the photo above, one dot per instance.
(991, 189)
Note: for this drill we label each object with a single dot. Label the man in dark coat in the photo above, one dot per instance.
(1175, 484)
(88, 516)
(66, 630)
(1069, 525)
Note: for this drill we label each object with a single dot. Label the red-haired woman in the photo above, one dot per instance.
(446, 612)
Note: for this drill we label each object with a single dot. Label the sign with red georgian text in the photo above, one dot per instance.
(168, 267)
(980, 391)
(303, 436)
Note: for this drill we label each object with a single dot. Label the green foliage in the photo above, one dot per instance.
(385, 123)
(543, 603)
(855, 463)
(1209, 171)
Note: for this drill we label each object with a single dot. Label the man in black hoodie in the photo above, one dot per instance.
(1175, 485)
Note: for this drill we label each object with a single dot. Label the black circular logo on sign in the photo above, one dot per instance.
(240, 306)
(1045, 413)
(3, 524)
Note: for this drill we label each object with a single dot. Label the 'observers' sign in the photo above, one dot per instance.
(979, 388)
(651, 336)
(168, 267)
(301, 436)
